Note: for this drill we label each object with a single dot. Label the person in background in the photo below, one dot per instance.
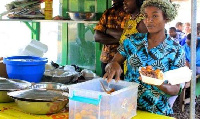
(108, 31)
(154, 48)
(187, 28)
(135, 22)
(179, 27)
(180, 34)
(187, 48)
(173, 34)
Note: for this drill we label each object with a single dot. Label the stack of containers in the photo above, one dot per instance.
(88, 100)
(48, 11)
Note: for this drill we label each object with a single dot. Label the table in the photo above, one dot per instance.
(11, 111)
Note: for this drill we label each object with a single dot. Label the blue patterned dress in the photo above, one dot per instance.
(166, 56)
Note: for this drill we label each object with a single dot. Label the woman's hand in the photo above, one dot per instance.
(113, 69)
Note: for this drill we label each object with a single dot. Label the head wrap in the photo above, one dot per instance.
(169, 9)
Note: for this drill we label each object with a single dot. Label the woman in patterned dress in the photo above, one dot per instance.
(154, 48)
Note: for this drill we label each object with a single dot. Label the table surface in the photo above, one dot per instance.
(11, 111)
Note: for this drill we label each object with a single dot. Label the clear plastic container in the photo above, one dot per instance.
(88, 101)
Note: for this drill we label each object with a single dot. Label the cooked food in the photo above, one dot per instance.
(111, 91)
(148, 71)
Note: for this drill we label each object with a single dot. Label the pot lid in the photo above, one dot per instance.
(13, 84)
(35, 95)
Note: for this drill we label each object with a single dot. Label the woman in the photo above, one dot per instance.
(154, 48)
(135, 22)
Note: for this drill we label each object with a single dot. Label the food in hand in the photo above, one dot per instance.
(148, 71)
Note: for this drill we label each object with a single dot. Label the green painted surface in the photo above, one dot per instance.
(82, 5)
(64, 8)
(64, 42)
(198, 88)
(36, 27)
(64, 33)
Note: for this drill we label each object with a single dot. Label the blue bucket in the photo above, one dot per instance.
(27, 68)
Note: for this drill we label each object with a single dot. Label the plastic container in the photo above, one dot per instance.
(35, 48)
(27, 68)
(87, 100)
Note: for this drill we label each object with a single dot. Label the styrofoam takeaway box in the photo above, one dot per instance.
(88, 101)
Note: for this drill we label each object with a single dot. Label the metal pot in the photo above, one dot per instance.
(9, 85)
(60, 76)
(40, 101)
(88, 74)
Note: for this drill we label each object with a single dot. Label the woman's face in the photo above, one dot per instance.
(187, 28)
(130, 6)
(154, 19)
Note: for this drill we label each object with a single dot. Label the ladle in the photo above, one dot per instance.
(106, 89)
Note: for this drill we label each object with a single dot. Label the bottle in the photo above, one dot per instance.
(48, 11)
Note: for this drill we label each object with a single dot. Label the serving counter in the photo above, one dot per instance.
(11, 111)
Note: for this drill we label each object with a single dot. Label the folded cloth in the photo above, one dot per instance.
(178, 76)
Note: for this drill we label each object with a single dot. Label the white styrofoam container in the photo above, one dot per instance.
(88, 101)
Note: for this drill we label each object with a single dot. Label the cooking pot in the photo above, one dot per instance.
(40, 101)
(8, 85)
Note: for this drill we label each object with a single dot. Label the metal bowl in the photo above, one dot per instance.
(86, 16)
(60, 77)
(40, 101)
(4, 97)
(41, 107)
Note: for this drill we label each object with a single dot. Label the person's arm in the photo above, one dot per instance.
(113, 68)
(170, 89)
(178, 61)
(106, 39)
(116, 33)
(187, 64)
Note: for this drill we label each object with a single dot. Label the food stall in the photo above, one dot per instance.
(10, 110)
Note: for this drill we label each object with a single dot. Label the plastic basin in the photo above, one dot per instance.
(27, 68)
